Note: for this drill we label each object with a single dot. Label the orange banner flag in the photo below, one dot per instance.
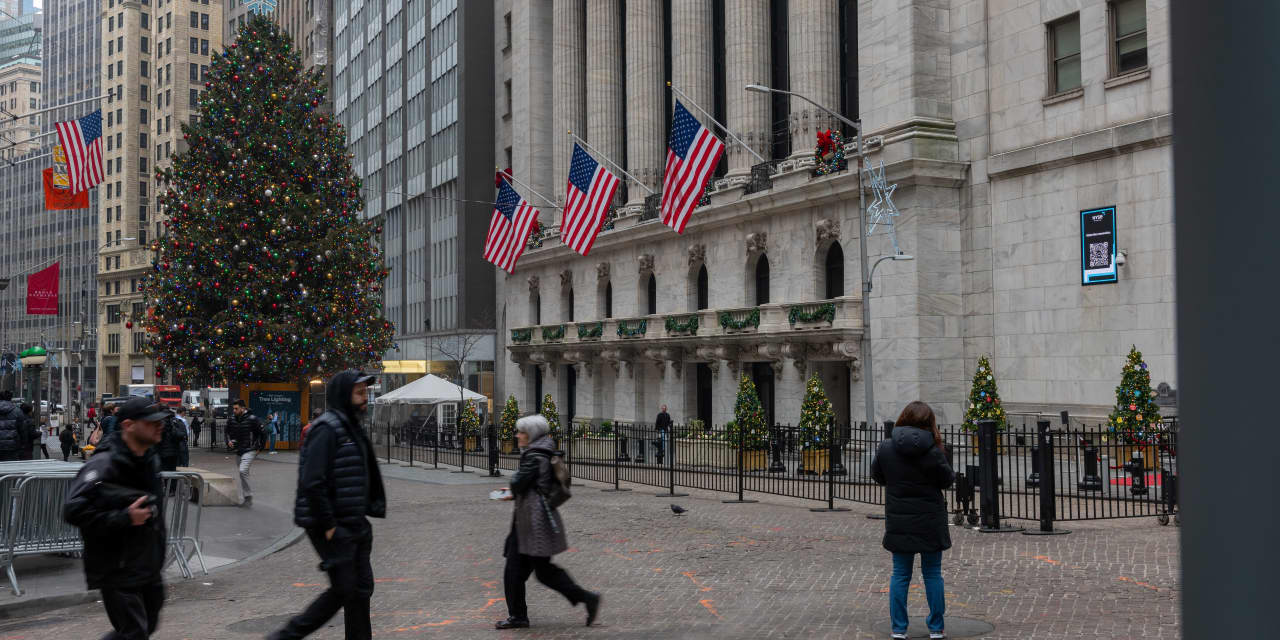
(58, 198)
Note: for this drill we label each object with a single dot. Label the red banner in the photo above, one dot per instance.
(42, 292)
(57, 197)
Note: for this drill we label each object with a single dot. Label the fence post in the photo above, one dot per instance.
(619, 441)
(775, 450)
(888, 434)
(462, 448)
(668, 443)
(988, 484)
(388, 443)
(832, 446)
(435, 449)
(742, 440)
(1048, 483)
(492, 443)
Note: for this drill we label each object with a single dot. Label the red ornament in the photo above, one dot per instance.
(1133, 407)
(128, 325)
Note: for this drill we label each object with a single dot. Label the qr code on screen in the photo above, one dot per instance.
(1099, 255)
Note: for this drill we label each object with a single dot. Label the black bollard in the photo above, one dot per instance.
(1137, 468)
(1091, 481)
(493, 452)
(1048, 482)
(1033, 478)
(838, 439)
(989, 510)
(775, 446)
(622, 449)
(640, 450)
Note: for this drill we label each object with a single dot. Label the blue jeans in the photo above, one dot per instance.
(931, 569)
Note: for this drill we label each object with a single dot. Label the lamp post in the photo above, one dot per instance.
(868, 379)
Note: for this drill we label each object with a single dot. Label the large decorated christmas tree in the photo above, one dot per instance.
(816, 415)
(748, 427)
(984, 399)
(1135, 413)
(266, 270)
(552, 415)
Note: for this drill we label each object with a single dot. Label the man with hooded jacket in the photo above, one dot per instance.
(13, 426)
(339, 485)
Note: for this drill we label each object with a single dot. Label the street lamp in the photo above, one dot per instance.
(868, 379)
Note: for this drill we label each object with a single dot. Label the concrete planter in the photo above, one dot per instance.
(694, 452)
(816, 461)
(593, 448)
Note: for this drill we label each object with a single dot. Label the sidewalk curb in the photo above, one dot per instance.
(283, 542)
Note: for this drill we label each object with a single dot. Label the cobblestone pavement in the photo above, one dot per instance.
(766, 570)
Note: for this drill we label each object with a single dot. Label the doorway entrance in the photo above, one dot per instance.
(762, 375)
(702, 377)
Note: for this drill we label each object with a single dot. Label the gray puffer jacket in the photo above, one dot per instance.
(537, 529)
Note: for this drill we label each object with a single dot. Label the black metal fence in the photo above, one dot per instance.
(1041, 474)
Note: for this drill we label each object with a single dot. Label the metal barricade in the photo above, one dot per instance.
(184, 493)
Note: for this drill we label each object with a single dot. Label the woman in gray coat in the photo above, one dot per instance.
(537, 532)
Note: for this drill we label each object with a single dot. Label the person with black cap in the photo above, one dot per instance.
(116, 502)
(339, 486)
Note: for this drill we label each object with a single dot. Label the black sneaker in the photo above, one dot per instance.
(512, 623)
(593, 601)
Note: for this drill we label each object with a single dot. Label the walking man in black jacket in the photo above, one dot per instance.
(245, 434)
(115, 501)
(339, 484)
(13, 423)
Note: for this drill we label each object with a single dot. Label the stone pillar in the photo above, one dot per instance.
(532, 134)
(813, 34)
(627, 390)
(789, 377)
(585, 400)
(645, 148)
(746, 54)
(604, 78)
(569, 62)
(724, 383)
(672, 393)
(691, 59)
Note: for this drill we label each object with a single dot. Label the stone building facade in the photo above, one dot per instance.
(999, 123)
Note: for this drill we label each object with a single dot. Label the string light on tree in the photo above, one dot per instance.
(984, 399)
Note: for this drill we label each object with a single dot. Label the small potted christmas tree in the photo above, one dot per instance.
(816, 416)
(748, 429)
(469, 426)
(552, 415)
(1136, 418)
(984, 401)
(507, 427)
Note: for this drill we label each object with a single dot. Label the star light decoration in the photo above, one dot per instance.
(261, 6)
(882, 210)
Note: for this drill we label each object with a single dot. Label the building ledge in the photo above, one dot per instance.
(1112, 141)
(1128, 78)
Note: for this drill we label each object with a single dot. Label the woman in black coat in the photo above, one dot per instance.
(913, 468)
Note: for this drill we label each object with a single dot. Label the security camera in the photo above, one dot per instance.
(1120, 258)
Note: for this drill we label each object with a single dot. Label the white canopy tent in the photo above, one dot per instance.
(429, 389)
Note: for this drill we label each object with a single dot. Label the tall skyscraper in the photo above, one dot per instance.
(32, 237)
(155, 59)
(413, 84)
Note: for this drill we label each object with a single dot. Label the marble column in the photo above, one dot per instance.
(691, 56)
(569, 63)
(645, 83)
(604, 78)
(813, 34)
(746, 54)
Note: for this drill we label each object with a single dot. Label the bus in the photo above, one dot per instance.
(169, 395)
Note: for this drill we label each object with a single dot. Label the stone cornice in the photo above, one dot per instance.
(1103, 143)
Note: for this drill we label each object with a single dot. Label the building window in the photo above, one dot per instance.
(193, 71)
(652, 291)
(195, 20)
(703, 293)
(204, 47)
(1064, 51)
(142, 66)
(607, 303)
(762, 280)
(506, 26)
(1129, 31)
(113, 343)
(142, 165)
(113, 314)
(139, 341)
(204, 21)
(834, 271)
(146, 45)
(142, 140)
(142, 214)
(535, 309)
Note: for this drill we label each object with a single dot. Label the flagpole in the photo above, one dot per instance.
(544, 198)
(717, 122)
(612, 163)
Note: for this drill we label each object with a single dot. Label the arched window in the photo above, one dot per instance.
(608, 300)
(703, 293)
(762, 280)
(535, 309)
(835, 271)
(569, 305)
(653, 295)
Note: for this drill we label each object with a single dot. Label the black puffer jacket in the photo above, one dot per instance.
(13, 426)
(174, 440)
(246, 431)
(116, 553)
(914, 472)
(339, 482)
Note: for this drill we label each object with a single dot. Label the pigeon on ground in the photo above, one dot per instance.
(677, 509)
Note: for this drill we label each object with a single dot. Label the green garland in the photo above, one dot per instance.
(553, 333)
(521, 336)
(689, 326)
(590, 330)
(752, 320)
(630, 331)
(825, 312)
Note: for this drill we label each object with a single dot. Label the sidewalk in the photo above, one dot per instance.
(227, 535)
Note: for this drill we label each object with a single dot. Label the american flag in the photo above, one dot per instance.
(692, 155)
(509, 228)
(591, 189)
(82, 140)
